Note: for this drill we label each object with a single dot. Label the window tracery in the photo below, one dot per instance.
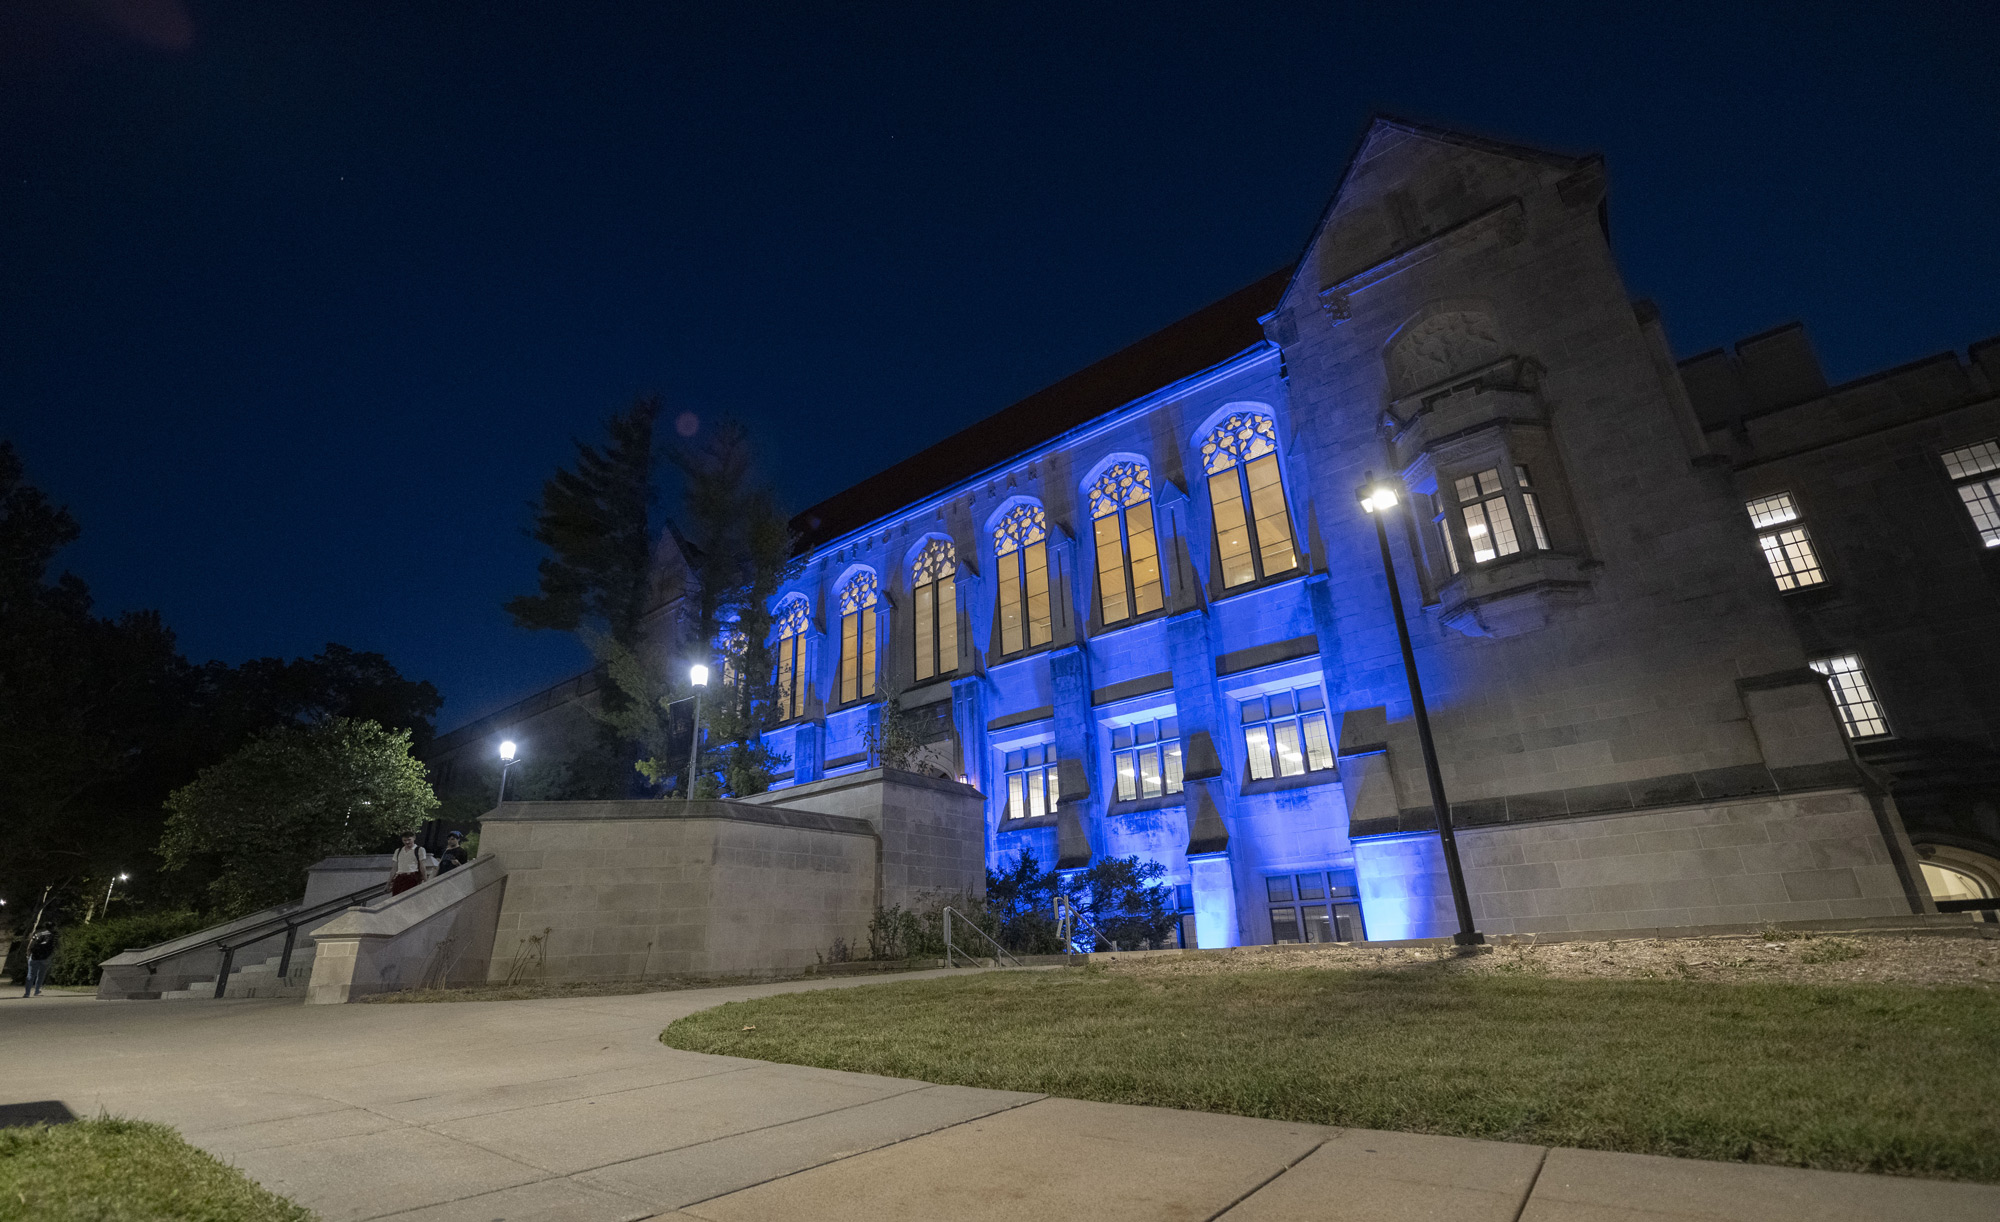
(857, 637)
(793, 619)
(1128, 554)
(935, 605)
(1020, 543)
(1246, 491)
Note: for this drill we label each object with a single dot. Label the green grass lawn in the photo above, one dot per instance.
(1848, 1077)
(111, 1170)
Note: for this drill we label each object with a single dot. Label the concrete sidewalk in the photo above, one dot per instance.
(573, 1111)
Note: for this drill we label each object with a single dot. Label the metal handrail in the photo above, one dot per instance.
(1067, 918)
(292, 923)
(1001, 951)
(236, 939)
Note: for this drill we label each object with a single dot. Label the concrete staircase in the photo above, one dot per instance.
(254, 980)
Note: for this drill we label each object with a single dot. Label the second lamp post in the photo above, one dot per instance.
(1378, 497)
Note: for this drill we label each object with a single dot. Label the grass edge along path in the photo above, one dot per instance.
(1873, 1078)
(116, 1170)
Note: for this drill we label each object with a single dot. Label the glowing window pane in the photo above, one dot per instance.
(1174, 779)
(936, 608)
(1535, 520)
(1982, 501)
(857, 637)
(1976, 459)
(1793, 562)
(1772, 510)
(1035, 566)
(1110, 570)
(1128, 780)
(1860, 714)
(1232, 530)
(1149, 773)
(1147, 594)
(1016, 798)
(1946, 883)
(792, 620)
(1291, 760)
(1274, 522)
(1319, 749)
(1257, 745)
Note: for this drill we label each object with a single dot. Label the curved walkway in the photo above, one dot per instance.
(573, 1111)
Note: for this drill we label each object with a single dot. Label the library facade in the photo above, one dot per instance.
(1703, 642)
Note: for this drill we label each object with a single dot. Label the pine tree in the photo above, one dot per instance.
(596, 520)
(739, 548)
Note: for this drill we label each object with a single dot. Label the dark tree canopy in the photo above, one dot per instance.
(101, 717)
(596, 521)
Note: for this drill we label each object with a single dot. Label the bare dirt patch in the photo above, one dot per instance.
(1774, 957)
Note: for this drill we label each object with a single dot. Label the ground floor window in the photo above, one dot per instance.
(1031, 782)
(1320, 906)
(1285, 734)
(1147, 757)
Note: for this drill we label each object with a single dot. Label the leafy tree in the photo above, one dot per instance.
(1121, 897)
(290, 797)
(89, 708)
(339, 682)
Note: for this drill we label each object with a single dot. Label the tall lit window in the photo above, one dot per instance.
(1147, 758)
(857, 638)
(1972, 469)
(1128, 552)
(1788, 549)
(1031, 782)
(936, 608)
(1441, 522)
(1860, 713)
(1533, 506)
(1020, 543)
(1253, 528)
(1489, 524)
(1284, 734)
(792, 623)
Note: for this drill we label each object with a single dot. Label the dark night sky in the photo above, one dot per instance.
(300, 302)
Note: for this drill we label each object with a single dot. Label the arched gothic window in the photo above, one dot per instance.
(1020, 543)
(792, 623)
(857, 637)
(1241, 459)
(936, 608)
(1128, 552)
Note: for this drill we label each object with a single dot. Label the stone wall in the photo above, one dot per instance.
(438, 934)
(1800, 857)
(627, 890)
(932, 830)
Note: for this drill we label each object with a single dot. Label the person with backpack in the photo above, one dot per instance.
(413, 865)
(41, 949)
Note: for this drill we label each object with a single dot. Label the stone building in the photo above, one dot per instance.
(1696, 638)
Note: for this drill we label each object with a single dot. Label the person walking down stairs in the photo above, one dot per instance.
(413, 865)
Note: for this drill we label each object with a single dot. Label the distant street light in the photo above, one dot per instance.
(107, 891)
(506, 762)
(1378, 497)
(697, 675)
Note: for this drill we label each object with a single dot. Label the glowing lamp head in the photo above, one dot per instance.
(698, 675)
(124, 877)
(507, 752)
(1377, 497)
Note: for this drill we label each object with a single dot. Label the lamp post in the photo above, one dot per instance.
(107, 892)
(1378, 497)
(697, 675)
(506, 762)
